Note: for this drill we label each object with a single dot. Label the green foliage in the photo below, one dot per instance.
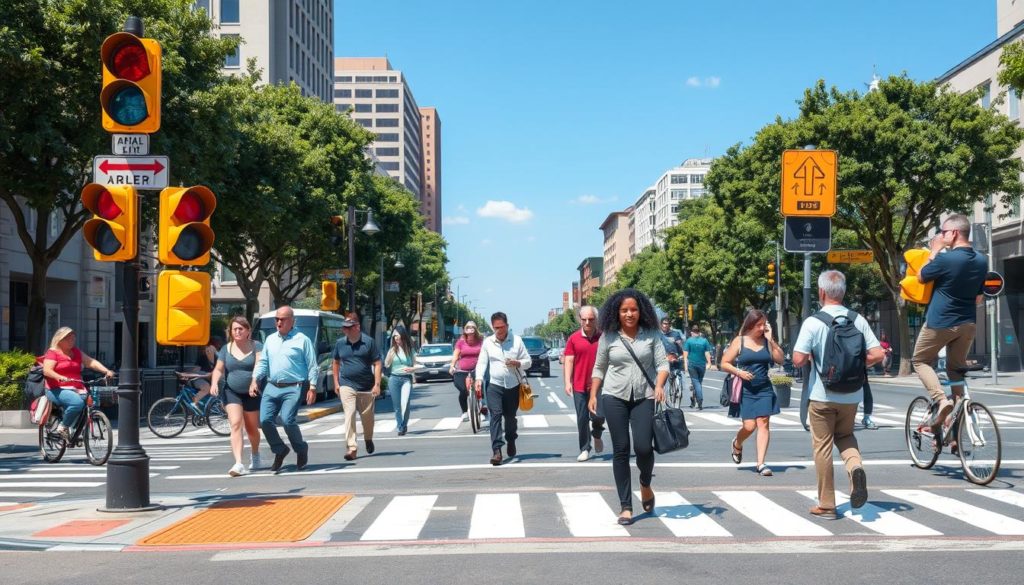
(650, 273)
(14, 366)
(559, 328)
(781, 380)
(1012, 60)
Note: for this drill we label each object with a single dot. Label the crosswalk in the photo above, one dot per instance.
(697, 514)
(25, 481)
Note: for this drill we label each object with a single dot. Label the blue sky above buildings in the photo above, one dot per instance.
(556, 113)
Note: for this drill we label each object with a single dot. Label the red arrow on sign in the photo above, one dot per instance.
(106, 166)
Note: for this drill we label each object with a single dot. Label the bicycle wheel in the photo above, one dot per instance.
(167, 417)
(920, 440)
(979, 443)
(217, 417)
(51, 444)
(474, 411)
(99, 438)
(675, 393)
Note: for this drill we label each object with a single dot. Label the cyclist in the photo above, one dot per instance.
(949, 322)
(467, 350)
(672, 339)
(62, 370)
(206, 361)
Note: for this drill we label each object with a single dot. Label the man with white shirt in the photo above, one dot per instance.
(832, 414)
(506, 358)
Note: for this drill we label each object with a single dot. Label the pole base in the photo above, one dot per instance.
(128, 480)
(149, 508)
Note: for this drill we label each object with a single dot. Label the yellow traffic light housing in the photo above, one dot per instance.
(689, 312)
(681, 312)
(130, 98)
(113, 231)
(771, 273)
(182, 308)
(184, 234)
(329, 296)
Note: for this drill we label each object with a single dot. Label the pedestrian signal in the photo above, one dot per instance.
(183, 308)
(329, 296)
(185, 236)
(113, 231)
(130, 98)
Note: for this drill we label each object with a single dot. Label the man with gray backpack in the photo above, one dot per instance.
(840, 346)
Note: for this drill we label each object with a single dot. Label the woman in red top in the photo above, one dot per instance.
(467, 350)
(62, 370)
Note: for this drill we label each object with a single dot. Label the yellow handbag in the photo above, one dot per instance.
(910, 288)
(525, 393)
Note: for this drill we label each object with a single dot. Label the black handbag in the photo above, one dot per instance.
(726, 396)
(670, 432)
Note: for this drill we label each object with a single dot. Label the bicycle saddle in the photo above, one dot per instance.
(189, 376)
(971, 368)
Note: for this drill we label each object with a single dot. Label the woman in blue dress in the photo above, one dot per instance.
(749, 357)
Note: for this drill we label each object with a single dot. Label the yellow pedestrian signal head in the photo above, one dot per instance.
(771, 273)
(113, 231)
(130, 97)
(329, 296)
(689, 312)
(182, 308)
(185, 236)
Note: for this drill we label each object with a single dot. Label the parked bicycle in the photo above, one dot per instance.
(91, 430)
(168, 416)
(970, 431)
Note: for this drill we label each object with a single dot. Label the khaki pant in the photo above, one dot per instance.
(832, 426)
(363, 402)
(957, 341)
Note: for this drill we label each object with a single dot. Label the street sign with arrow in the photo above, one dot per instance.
(141, 172)
(809, 183)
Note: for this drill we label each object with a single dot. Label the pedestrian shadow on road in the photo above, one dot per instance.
(1003, 478)
(686, 511)
(537, 456)
(379, 453)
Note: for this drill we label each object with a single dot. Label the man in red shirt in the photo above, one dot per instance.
(580, 355)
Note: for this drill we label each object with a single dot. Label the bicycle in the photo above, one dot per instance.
(475, 417)
(167, 417)
(675, 388)
(97, 436)
(972, 433)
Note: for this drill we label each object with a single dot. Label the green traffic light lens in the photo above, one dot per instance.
(128, 106)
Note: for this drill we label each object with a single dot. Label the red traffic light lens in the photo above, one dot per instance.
(106, 207)
(130, 62)
(190, 208)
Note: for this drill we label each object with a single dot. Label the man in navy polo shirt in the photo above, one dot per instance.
(357, 370)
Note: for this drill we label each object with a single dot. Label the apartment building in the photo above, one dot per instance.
(591, 276)
(430, 202)
(642, 222)
(617, 236)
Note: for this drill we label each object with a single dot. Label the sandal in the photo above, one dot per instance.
(647, 504)
(737, 453)
(764, 471)
(625, 520)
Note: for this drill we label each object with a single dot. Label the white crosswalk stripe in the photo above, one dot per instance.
(1007, 496)
(684, 519)
(876, 518)
(497, 516)
(773, 517)
(33, 481)
(588, 515)
(973, 515)
(403, 519)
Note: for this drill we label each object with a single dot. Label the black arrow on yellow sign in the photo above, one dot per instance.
(809, 173)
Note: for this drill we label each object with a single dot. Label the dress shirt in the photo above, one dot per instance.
(618, 370)
(287, 358)
(494, 353)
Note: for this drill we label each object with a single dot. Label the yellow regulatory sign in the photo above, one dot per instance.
(809, 183)
(851, 257)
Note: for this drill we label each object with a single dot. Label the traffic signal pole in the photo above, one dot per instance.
(805, 395)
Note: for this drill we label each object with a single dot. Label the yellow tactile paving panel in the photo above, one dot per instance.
(251, 521)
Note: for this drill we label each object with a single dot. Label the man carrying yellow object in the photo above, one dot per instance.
(958, 275)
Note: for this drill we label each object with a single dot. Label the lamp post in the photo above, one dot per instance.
(383, 315)
(370, 227)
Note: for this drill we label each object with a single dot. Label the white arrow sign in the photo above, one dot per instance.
(141, 172)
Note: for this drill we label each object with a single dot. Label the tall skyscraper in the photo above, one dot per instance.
(291, 40)
(430, 202)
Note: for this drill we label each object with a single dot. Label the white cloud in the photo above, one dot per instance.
(455, 220)
(709, 82)
(504, 210)
(713, 81)
(693, 82)
(587, 200)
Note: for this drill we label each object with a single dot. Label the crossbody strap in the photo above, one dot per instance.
(629, 348)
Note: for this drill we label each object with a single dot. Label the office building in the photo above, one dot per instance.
(430, 202)
(616, 231)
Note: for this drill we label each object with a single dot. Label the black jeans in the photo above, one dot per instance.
(459, 379)
(621, 415)
(503, 404)
(869, 400)
(588, 425)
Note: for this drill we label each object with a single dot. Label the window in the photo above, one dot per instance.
(226, 275)
(986, 96)
(380, 79)
(344, 79)
(342, 107)
(229, 11)
(387, 107)
(387, 93)
(694, 193)
(234, 60)
(1015, 208)
(364, 108)
(343, 93)
(389, 166)
(363, 79)
(387, 152)
(204, 4)
(678, 194)
(697, 179)
(364, 93)
(387, 122)
(364, 122)
(387, 137)
(1014, 105)
(678, 179)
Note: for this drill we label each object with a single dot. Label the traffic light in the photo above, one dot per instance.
(113, 231)
(130, 97)
(329, 296)
(689, 312)
(182, 308)
(185, 236)
(771, 274)
(681, 312)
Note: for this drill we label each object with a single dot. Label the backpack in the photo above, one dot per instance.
(843, 363)
(35, 386)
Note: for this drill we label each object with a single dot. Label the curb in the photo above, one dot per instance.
(314, 413)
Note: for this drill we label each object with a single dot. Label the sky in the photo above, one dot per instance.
(556, 113)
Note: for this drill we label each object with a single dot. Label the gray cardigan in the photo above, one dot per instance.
(615, 366)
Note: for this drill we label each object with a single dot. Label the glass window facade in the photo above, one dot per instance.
(229, 11)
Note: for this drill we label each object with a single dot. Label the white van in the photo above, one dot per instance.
(322, 328)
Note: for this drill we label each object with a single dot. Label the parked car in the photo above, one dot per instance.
(323, 329)
(555, 354)
(433, 360)
(538, 350)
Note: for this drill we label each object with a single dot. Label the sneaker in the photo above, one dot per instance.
(65, 435)
(598, 445)
(858, 488)
(940, 417)
(465, 417)
(868, 423)
(583, 456)
(255, 463)
(236, 470)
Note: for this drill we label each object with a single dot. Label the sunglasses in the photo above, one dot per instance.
(943, 232)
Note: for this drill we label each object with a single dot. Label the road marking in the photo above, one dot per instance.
(875, 518)
(385, 426)
(28, 495)
(336, 430)
(402, 519)
(973, 515)
(51, 484)
(1002, 495)
(535, 421)
(340, 520)
(558, 400)
(684, 519)
(773, 517)
(497, 516)
(59, 466)
(448, 423)
(572, 417)
(587, 514)
(888, 420)
(158, 458)
(717, 418)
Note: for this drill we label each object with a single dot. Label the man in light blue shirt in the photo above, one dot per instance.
(287, 363)
(832, 414)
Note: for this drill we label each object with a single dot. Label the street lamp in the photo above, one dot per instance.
(458, 297)
(369, 228)
(398, 264)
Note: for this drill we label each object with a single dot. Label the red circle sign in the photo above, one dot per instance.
(993, 284)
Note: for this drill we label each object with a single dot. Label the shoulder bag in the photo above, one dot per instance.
(732, 387)
(669, 425)
(525, 392)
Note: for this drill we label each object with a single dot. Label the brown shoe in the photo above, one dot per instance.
(496, 458)
(351, 455)
(826, 513)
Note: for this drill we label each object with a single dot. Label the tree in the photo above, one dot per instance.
(909, 153)
(650, 273)
(50, 116)
(1012, 60)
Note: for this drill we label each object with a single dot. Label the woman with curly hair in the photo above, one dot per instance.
(629, 357)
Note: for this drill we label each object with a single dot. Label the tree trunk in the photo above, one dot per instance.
(904, 333)
(37, 308)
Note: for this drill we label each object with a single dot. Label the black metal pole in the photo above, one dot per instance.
(805, 395)
(351, 227)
